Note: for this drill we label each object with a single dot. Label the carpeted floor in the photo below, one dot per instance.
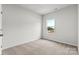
(41, 47)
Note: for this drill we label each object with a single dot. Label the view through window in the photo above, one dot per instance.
(51, 25)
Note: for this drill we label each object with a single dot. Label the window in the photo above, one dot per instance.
(51, 25)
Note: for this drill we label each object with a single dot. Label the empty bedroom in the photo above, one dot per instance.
(39, 29)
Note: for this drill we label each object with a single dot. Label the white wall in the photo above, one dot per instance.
(19, 26)
(0, 18)
(0, 29)
(78, 28)
(66, 25)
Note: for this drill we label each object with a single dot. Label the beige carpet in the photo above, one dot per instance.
(41, 47)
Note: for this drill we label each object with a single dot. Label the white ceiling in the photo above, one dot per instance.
(43, 8)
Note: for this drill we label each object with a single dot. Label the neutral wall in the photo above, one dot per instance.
(0, 29)
(19, 26)
(0, 18)
(66, 25)
(78, 28)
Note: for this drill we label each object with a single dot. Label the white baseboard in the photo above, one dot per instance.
(13, 45)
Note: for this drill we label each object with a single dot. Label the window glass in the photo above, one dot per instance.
(51, 25)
